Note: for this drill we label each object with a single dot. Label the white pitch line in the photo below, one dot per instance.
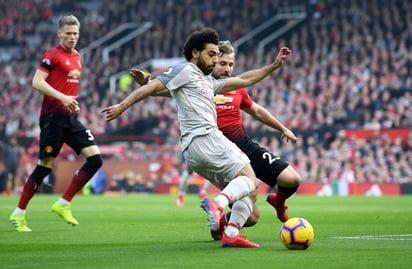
(379, 237)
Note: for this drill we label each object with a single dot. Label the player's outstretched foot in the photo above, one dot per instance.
(279, 207)
(19, 223)
(239, 241)
(214, 213)
(64, 212)
(180, 200)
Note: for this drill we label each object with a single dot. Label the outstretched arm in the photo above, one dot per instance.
(142, 78)
(261, 114)
(251, 77)
(114, 111)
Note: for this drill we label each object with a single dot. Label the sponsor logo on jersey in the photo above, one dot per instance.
(221, 99)
(74, 76)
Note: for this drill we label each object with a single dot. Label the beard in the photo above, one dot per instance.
(202, 66)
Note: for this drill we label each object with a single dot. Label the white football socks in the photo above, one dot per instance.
(237, 189)
(63, 201)
(19, 211)
(241, 211)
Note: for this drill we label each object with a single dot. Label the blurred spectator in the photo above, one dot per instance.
(131, 182)
(11, 153)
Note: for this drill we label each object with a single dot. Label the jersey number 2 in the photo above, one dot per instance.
(270, 157)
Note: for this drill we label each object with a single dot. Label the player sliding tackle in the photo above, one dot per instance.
(206, 150)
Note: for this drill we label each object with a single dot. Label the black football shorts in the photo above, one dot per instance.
(57, 130)
(266, 164)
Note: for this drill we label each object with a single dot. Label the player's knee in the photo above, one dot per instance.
(248, 173)
(47, 162)
(39, 173)
(253, 196)
(289, 177)
(295, 180)
(93, 164)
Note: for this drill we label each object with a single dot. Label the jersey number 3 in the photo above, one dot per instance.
(89, 135)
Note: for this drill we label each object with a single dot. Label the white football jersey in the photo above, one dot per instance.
(193, 92)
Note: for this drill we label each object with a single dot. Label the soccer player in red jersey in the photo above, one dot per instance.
(269, 168)
(57, 78)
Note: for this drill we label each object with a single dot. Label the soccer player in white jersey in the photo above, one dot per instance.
(206, 150)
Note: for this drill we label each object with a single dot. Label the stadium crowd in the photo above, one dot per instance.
(351, 68)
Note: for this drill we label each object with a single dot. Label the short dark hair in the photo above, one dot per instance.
(198, 40)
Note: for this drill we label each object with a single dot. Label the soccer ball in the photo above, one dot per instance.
(296, 233)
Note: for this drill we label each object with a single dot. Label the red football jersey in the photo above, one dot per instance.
(64, 74)
(229, 115)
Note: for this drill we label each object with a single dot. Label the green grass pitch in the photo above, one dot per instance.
(149, 231)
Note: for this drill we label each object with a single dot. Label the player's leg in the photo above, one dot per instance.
(254, 217)
(205, 189)
(242, 207)
(240, 213)
(184, 180)
(224, 220)
(274, 172)
(30, 187)
(242, 185)
(287, 184)
(238, 188)
(82, 142)
(50, 143)
(228, 169)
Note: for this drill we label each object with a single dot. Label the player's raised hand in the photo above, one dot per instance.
(284, 52)
(139, 76)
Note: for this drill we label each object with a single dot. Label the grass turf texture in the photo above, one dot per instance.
(149, 231)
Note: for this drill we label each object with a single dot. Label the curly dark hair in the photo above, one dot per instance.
(198, 40)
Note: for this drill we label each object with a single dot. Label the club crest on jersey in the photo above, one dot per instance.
(74, 76)
(48, 149)
(74, 73)
(221, 99)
